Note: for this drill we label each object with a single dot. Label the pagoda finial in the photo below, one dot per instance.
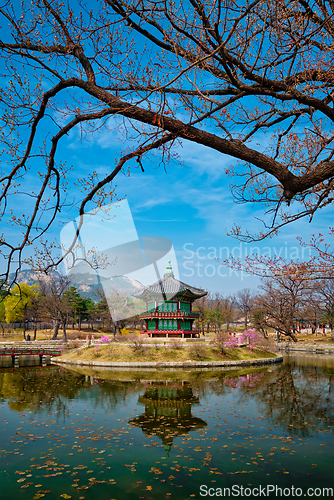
(169, 270)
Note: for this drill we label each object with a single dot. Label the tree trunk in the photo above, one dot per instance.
(79, 324)
(3, 329)
(64, 329)
(24, 329)
(55, 328)
(35, 330)
(292, 335)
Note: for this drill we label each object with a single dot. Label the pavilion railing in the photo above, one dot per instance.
(170, 314)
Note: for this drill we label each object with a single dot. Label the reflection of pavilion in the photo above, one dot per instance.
(168, 413)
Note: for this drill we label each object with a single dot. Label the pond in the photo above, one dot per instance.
(108, 434)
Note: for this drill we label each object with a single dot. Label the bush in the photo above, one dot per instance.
(265, 344)
(104, 339)
(156, 344)
(129, 337)
(252, 339)
(175, 344)
(197, 351)
(137, 345)
(220, 342)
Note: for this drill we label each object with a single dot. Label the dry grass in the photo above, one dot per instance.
(46, 334)
(195, 352)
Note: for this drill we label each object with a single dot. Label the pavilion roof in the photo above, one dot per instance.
(169, 286)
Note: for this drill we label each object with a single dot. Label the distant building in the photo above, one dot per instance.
(169, 307)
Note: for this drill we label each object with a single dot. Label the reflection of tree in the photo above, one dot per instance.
(296, 397)
(168, 412)
(52, 388)
(35, 389)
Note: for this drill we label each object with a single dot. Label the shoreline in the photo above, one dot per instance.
(313, 350)
(169, 364)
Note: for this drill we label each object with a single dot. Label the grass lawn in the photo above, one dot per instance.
(156, 353)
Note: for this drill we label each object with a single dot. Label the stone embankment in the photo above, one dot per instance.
(313, 348)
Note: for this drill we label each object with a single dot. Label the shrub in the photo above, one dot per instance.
(156, 344)
(252, 339)
(137, 345)
(197, 351)
(175, 344)
(124, 331)
(221, 341)
(104, 339)
(129, 337)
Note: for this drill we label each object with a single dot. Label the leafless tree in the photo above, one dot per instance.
(258, 315)
(53, 302)
(283, 300)
(223, 310)
(202, 306)
(324, 290)
(248, 79)
(244, 301)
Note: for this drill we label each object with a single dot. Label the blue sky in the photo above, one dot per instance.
(190, 204)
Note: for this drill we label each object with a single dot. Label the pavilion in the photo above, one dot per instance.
(169, 307)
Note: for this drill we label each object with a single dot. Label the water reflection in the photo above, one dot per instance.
(297, 396)
(24, 360)
(246, 426)
(168, 412)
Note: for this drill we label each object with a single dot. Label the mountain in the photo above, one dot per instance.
(87, 284)
(30, 277)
